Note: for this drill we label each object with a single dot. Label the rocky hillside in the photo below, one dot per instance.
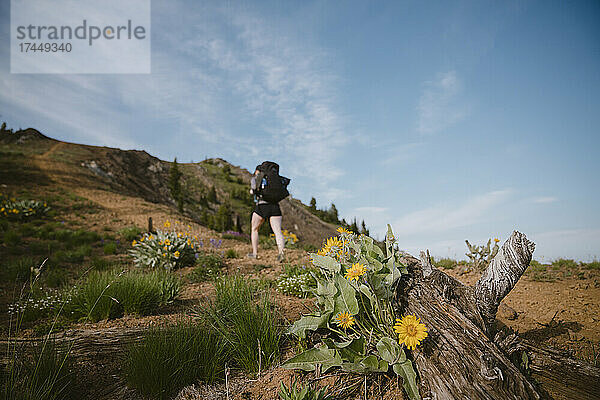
(211, 189)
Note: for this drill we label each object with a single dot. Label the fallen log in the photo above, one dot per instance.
(464, 357)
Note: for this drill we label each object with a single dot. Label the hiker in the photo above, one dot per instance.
(268, 188)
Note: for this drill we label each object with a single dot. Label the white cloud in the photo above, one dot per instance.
(439, 105)
(444, 218)
(215, 71)
(544, 200)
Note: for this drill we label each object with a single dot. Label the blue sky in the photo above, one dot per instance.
(448, 120)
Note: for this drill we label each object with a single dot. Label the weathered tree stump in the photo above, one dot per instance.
(464, 356)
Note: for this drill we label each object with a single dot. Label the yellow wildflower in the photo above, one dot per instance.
(167, 224)
(410, 331)
(343, 230)
(357, 270)
(333, 246)
(134, 243)
(344, 320)
(164, 254)
(176, 254)
(496, 240)
(167, 242)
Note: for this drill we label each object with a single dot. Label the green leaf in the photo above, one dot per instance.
(373, 264)
(326, 262)
(326, 289)
(409, 377)
(394, 274)
(309, 322)
(309, 360)
(389, 350)
(346, 298)
(349, 350)
(364, 289)
(325, 293)
(365, 365)
(389, 241)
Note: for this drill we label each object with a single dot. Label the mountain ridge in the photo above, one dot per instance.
(32, 161)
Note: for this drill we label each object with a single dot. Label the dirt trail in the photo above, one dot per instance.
(52, 149)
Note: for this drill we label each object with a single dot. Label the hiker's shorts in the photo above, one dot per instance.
(268, 210)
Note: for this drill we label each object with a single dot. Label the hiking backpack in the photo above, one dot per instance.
(273, 187)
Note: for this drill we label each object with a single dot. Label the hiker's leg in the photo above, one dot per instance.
(276, 226)
(257, 221)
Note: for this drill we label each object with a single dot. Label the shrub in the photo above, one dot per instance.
(592, 265)
(11, 238)
(77, 255)
(130, 233)
(109, 248)
(445, 263)
(310, 248)
(539, 272)
(55, 277)
(563, 263)
(481, 256)
(231, 253)
(166, 250)
(296, 280)
(101, 264)
(249, 328)
(208, 266)
(105, 295)
(18, 270)
(22, 209)
(42, 247)
(167, 359)
(26, 229)
(235, 236)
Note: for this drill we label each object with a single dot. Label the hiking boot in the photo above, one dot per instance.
(252, 255)
(280, 257)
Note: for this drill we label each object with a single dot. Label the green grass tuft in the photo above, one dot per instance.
(105, 295)
(249, 325)
(168, 359)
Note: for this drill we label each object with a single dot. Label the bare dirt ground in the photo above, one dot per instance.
(564, 313)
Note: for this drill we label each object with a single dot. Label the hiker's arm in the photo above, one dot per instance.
(252, 184)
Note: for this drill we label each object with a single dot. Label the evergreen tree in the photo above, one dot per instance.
(354, 226)
(313, 204)
(223, 221)
(212, 195)
(333, 213)
(3, 128)
(175, 184)
(364, 229)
